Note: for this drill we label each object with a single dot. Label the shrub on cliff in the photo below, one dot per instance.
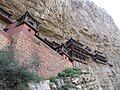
(12, 75)
(71, 72)
(67, 75)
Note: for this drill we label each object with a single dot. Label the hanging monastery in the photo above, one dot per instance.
(48, 57)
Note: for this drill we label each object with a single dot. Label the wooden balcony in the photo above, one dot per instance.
(99, 56)
(78, 55)
(72, 44)
(62, 49)
(72, 41)
(52, 44)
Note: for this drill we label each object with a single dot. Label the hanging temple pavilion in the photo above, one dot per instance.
(49, 57)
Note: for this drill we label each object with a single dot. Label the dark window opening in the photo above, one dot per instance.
(65, 57)
(5, 29)
(29, 30)
(31, 23)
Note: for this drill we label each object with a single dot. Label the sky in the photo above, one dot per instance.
(112, 7)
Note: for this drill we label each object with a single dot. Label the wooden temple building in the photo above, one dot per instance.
(77, 51)
(53, 56)
(99, 57)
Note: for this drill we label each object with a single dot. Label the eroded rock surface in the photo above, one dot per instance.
(82, 20)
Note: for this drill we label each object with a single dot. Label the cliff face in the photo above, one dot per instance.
(82, 20)
(62, 19)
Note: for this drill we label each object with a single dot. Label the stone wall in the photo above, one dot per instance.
(24, 49)
(5, 39)
(51, 62)
(41, 57)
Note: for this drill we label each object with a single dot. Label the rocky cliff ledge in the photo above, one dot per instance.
(82, 20)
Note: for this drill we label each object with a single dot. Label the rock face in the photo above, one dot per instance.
(82, 20)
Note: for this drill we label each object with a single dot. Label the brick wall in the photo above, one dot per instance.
(51, 62)
(47, 62)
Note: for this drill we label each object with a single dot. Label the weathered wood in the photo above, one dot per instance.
(4, 15)
(53, 44)
(100, 56)
(29, 20)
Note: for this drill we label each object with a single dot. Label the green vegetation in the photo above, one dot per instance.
(54, 79)
(71, 72)
(12, 75)
(67, 86)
